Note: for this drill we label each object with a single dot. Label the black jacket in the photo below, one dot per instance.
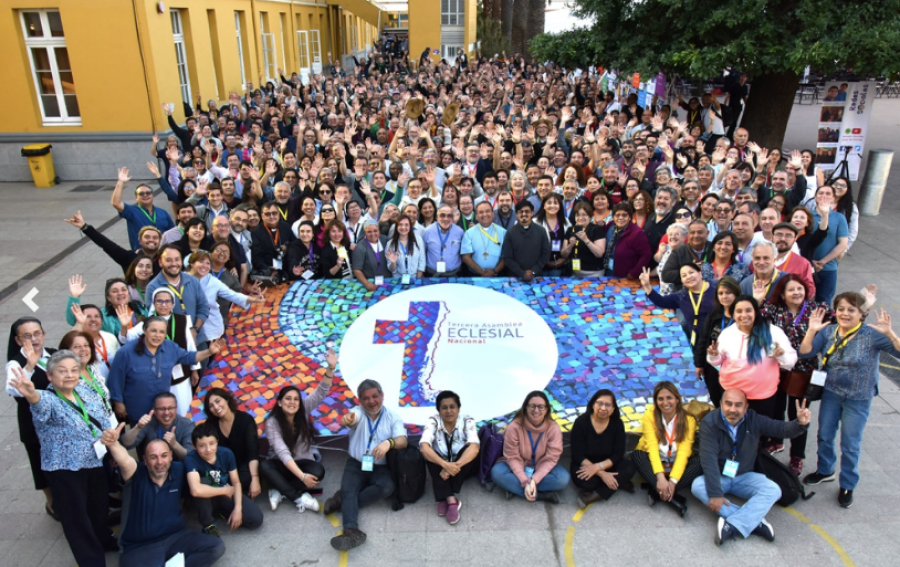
(680, 256)
(716, 445)
(262, 250)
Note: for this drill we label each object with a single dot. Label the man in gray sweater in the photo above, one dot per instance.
(729, 443)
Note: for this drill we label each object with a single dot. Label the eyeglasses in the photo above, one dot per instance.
(841, 185)
(270, 214)
(445, 216)
(222, 252)
(163, 301)
(34, 336)
(325, 192)
(533, 407)
(603, 404)
(143, 193)
(327, 210)
(723, 210)
(683, 215)
(166, 409)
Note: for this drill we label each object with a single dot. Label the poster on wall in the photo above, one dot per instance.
(843, 125)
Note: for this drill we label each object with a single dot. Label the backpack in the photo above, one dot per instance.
(779, 473)
(408, 469)
(491, 451)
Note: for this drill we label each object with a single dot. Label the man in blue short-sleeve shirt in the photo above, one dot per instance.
(826, 254)
(140, 215)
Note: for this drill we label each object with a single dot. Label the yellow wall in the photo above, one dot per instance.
(106, 67)
(424, 28)
(124, 63)
(471, 33)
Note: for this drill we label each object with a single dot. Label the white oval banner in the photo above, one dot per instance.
(486, 346)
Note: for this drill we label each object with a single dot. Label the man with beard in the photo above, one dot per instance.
(190, 298)
(221, 232)
(185, 212)
(790, 261)
(504, 217)
(140, 215)
(153, 528)
(656, 226)
(240, 232)
(788, 184)
(695, 250)
(491, 194)
(148, 238)
(270, 241)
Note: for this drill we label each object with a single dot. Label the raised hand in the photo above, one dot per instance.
(777, 352)
(77, 220)
(22, 383)
(796, 159)
(883, 324)
(759, 291)
(803, 413)
(76, 287)
(153, 169)
(817, 321)
(111, 436)
(713, 349)
(124, 176)
(123, 313)
(331, 358)
(145, 420)
(80, 318)
(645, 280)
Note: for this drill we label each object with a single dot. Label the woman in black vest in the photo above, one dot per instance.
(26, 350)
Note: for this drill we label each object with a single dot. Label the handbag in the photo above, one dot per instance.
(794, 382)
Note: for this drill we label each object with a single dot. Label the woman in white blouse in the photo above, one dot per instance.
(450, 446)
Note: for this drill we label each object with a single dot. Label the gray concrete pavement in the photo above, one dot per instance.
(492, 531)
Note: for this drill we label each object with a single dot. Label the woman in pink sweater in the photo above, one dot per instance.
(749, 354)
(532, 446)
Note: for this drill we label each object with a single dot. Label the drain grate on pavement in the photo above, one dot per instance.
(89, 188)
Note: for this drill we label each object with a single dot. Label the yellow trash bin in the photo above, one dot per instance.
(41, 163)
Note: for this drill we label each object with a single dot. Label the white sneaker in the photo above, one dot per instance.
(308, 502)
(275, 498)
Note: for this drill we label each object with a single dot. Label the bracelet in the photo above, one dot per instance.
(392, 442)
(303, 477)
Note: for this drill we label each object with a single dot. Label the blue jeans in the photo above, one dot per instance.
(759, 492)
(852, 416)
(827, 286)
(360, 488)
(502, 475)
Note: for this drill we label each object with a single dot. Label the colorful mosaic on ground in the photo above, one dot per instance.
(608, 334)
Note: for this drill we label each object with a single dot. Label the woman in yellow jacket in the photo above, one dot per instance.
(664, 455)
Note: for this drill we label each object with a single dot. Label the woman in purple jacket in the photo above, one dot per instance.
(627, 249)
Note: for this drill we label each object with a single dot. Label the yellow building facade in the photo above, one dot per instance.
(91, 77)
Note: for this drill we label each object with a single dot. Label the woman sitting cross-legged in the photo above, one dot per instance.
(599, 467)
(532, 446)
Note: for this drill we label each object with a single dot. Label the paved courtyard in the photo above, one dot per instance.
(493, 532)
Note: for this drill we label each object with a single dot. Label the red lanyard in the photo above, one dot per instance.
(716, 272)
(101, 348)
(671, 440)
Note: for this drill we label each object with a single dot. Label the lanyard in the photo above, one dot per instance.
(372, 430)
(494, 239)
(787, 262)
(449, 440)
(178, 293)
(444, 238)
(219, 274)
(734, 436)
(671, 439)
(768, 285)
(493, 203)
(146, 214)
(726, 322)
(465, 222)
(799, 315)
(101, 348)
(81, 410)
(505, 222)
(569, 206)
(716, 272)
(534, 446)
(696, 305)
(274, 238)
(840, 343)
(171, 327)
(283, 214)
(310, 254)
(375, 248)
(141, 293)
(92, 382)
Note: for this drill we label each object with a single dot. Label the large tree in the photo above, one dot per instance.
(772, 40)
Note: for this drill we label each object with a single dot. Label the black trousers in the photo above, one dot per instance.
(625, 468)
(81, 500)
(444, 489)
(34, 459)
(782, 402)
(251, 515)
(277, 474)
(711, 377)
(765, 407)
(692, 470)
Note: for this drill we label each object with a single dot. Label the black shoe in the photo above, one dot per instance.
(587, 498)
(680, 504)
(51, 513)
(817, 478)
(333, 504)
(352, 537)
(652, 497)
(550, 497)
(845, 498)
(508, 494)
(724, 531)
(212, 530)
(627, 487)
(765, 530)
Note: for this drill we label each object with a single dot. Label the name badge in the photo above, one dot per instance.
(818, 378)
(342, 252)
(576, 265)
(368, 463)
(99, 449)
(610, 266)
(405, 279)
(177, 372)
(555, 245)
(307, 274)
(529, 472)
(730, 469)
(441, 267)
(276, 264)
(379, 280)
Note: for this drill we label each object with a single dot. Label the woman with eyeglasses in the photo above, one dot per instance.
(327, 214)
(676, 235)
(664, 455)
(82, 344)
(25, 351)
(532, 446)
(120, 312)
(68, 418)
(599, 467)
(642, 203)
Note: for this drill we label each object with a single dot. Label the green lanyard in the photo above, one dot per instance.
(146, 214)
(83, 410)
(92, 382)
(171, 326)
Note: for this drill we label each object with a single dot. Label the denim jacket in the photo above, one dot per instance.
(853, 369)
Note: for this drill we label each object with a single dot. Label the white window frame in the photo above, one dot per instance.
(354, 34)
(268, 49)
(303, 55)
(315, 51)
(237, 29)
(181, 61)
(453, 12)
(49, 44)
(283, 58)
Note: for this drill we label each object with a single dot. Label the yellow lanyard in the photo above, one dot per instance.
(768, 285)
(178, 293)
(493, 239)
(696, 305)
(839, 344)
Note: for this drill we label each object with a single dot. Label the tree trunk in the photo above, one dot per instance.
(536, 19)
(769, 107)
(519, 27)
(506, 17)
(496, 10)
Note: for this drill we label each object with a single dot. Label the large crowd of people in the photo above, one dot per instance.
(484, 168)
